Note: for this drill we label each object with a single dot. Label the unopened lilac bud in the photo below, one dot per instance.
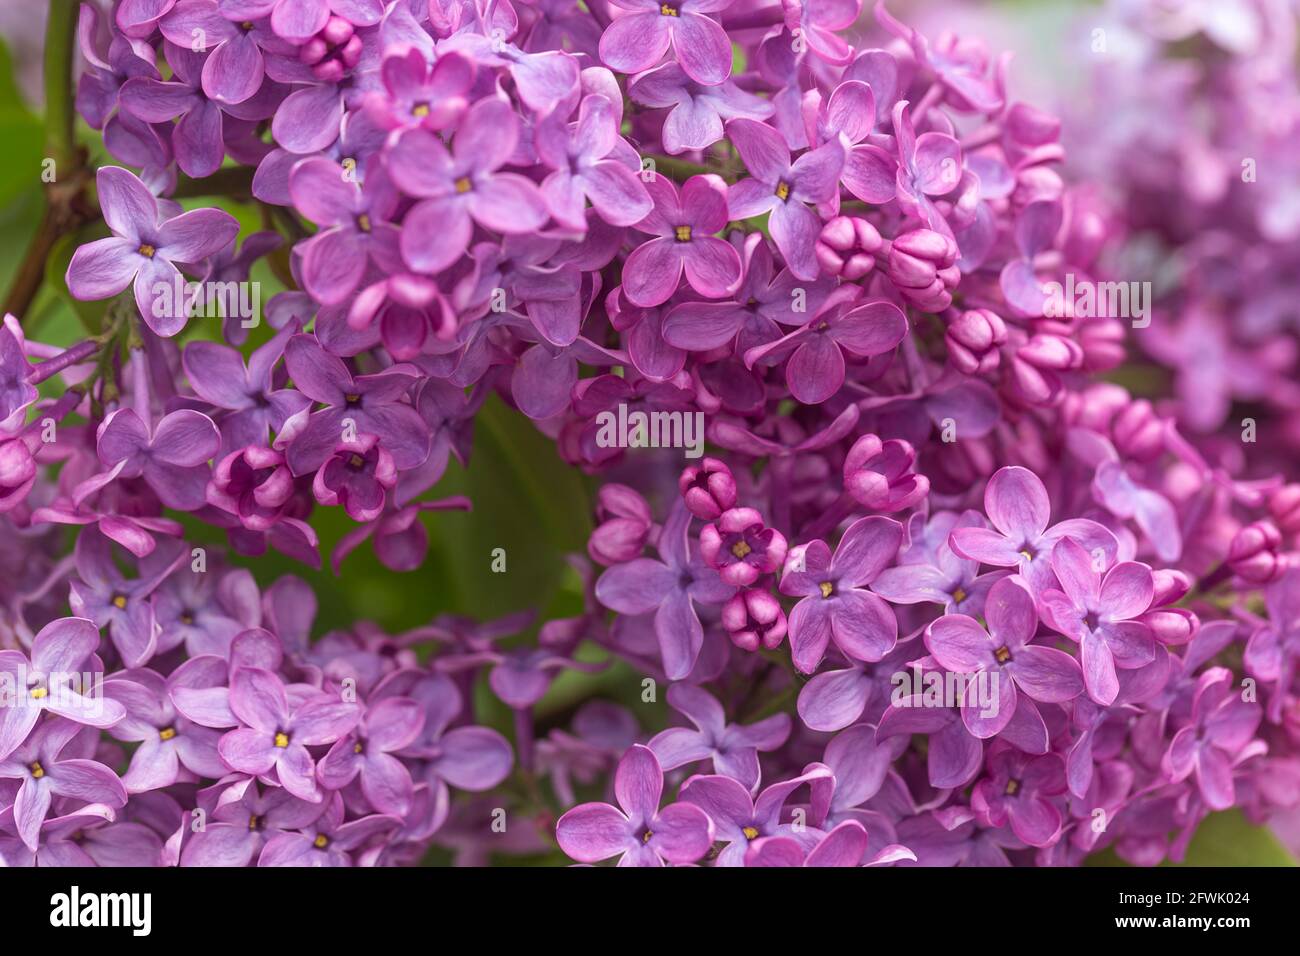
(708, 488)
(1171, 586)
(879, 475)
(1253, 554)
(754, 618)
(337, 30)
(1137, 431)
(1103, 344)
(624, 525)
(973, 339)
(1284, 508)
(740, 547)
(1171, 626)
(847, 247)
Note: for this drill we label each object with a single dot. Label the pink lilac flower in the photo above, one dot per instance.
(834, 604)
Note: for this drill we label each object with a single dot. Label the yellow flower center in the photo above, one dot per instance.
(253, 821)
(321, 841)
(666, 10)
(645, 837)
(959, 595)
(357, 748)
(146, 250)
(740, 549)
(463, 185)
(39, 692)
(750, 832)
(1003, 654)
(281, 739)
(363, 222)
(420, 109)
(683, 233)
(119, 601)
(828, 588)
(356, 461)
(37, 770)
(167, 733)
(783, 190)
(1012, 787)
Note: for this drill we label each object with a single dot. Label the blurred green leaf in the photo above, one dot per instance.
(1223, 839)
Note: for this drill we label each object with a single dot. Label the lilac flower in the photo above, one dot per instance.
(638, 40)
(62, 657)
(586, 168)
(755, 313)
(461, 187)
(684, 225)
(1004, 651)
(355, 227)
(198, 139)
(777, 187)
(167, 741)
(243, 820)
(372, 402)
(417, 94)
(367, 752)
(327, 841)
(124, 606)
(1018, 792)
(45, 774)
(274, 736)
(253, 405)
(637, 831)
(669, 587)
(1220, 735)
(739, 819)
(733, 749)
(1017, 504)
(144, 248)
(299, 20)
(172, 460)
(697, 110)
(815, 369)
(928, 165)
(845, 845)
(357, 475)
(834, 604)
(1098, 611)
(234, 68)
(930, 571)
(740, 548)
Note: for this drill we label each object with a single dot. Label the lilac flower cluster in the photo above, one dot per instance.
(240, 741)
(1027, 617)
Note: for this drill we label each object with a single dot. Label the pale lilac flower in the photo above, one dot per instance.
(144, 250)
(637, 831)
(732, 748)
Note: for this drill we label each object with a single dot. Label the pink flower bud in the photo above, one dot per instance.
(625, 522)
(973, 339)
(879, 475)
(754, 618)
(708, 488)
(1253, 554)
